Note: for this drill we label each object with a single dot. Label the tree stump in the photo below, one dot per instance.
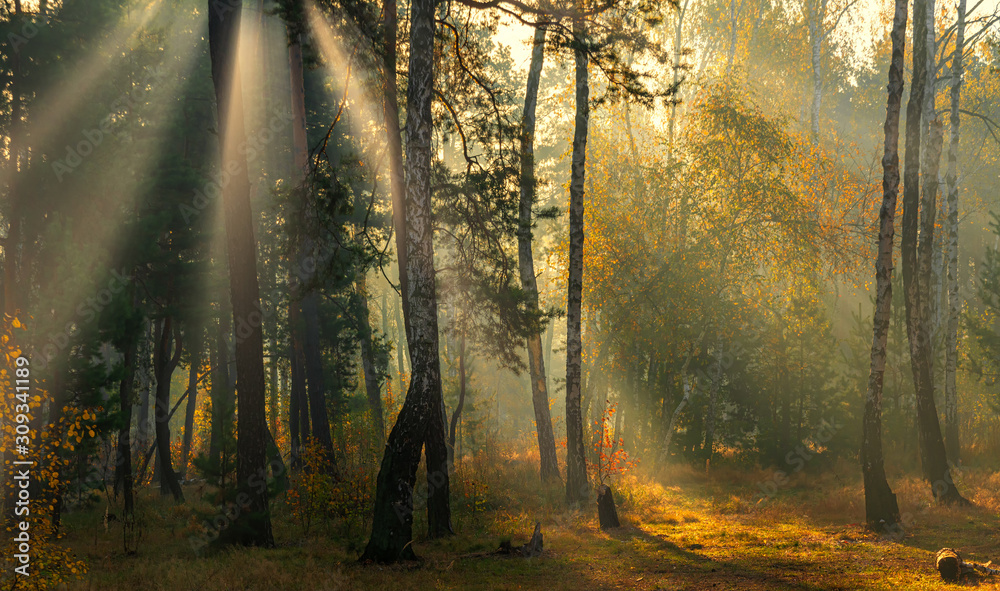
(534, 546)
(949, 564)
(606, 508)
(530, 550)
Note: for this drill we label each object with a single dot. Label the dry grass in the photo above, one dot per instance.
(684, 529)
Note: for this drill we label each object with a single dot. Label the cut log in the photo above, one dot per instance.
(949, 564)
(606, 508)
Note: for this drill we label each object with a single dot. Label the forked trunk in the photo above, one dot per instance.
(421, 419)
(934, 460)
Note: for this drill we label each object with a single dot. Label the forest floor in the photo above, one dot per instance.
(683, 529)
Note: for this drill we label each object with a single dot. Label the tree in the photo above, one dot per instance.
(549, 467)
(577, 487)
(252, 439)
(880, 503)
(916, 266)
(817, 13)
(165, 360)
(951, 430)
(421, 419)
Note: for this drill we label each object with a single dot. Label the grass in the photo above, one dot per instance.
(683, 529)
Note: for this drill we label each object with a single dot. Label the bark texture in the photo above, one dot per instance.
(165, 361)
(549, 467)
(373, 386)
(123, 461)
(934, 460)
(951, 430)
(881, 508)
(195, 340)
(421, 419)
(253, 526)
(577, 487)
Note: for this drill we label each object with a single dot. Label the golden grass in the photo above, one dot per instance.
(683, 529)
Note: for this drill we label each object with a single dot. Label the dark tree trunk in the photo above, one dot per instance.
(373, 387)
(606, 512)
(251, 446)
(221, 394)
(123, 461)
(390, 111)
(294, 400)
(549, 466)
(298, 406)
(195, 341)
(14, 240)
(934, 461)
(421, 419)
(309, 331)
(577, 487)
(316, 386)
(457, 415)
(165, 361)
(142, 423)
(881, 509)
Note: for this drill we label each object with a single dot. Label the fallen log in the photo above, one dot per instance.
(951, 567)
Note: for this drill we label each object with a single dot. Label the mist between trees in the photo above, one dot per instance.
(400, 277)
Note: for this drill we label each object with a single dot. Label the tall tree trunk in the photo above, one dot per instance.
(934, 459)
(402, 344)
(373, 387)
(316, 386)
(678, 52)
(252, 434)
(165, 362)
(713, 402)
(881, 509)
(274, 400)
(298, 406)
(549, 466)
(220, 393)
(816, 35)
(421, 418)
(143, 357)
(577, 485)
(390, 112)
(123, 461)
(14, 240)
(196, 341)
(457, 415)
(309, 333)
(954, 304)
